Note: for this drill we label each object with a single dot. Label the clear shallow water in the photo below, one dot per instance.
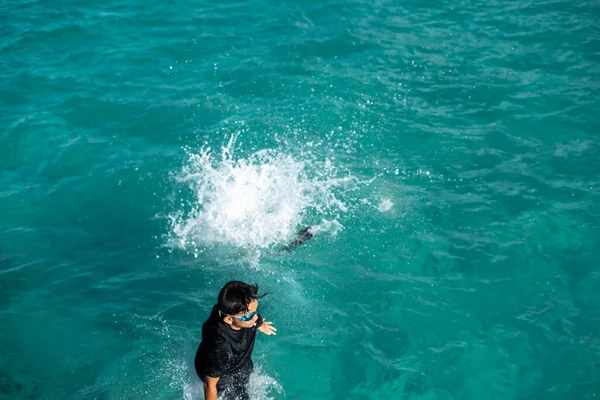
(447, 152)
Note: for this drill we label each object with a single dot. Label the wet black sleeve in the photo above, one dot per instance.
(259, 321)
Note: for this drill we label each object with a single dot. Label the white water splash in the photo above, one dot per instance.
(255, 202)
(260, 387)
(385, 205)
(264, 387)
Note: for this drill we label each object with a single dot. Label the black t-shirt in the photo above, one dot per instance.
(224, 351)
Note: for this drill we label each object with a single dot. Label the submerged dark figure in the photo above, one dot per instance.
(302, 237)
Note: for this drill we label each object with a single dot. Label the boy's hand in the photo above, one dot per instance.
(267, 328)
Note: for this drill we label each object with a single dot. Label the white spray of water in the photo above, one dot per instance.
(385, 205)
(255, 202)
(264, 387)
(260, 387)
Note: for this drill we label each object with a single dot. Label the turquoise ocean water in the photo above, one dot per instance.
(446, 153)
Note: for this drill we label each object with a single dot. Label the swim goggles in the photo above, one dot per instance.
(245, 318)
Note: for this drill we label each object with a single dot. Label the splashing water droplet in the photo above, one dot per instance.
(254, 202)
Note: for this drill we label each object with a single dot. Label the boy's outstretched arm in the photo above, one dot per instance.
(210, 388)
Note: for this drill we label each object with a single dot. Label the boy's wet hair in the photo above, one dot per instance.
(236, 296)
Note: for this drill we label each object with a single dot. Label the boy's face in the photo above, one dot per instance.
(237, 323)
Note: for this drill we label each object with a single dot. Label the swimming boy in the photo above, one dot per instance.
(224, 357)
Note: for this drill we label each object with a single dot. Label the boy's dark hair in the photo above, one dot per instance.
(236, 297)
